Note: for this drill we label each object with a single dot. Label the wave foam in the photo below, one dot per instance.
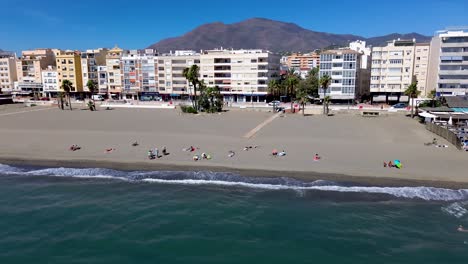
(229, 179)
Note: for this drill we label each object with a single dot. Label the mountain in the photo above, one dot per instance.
(263, 34)
(377, 41)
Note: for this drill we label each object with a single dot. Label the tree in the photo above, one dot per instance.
(302, 94)
(60, 102)
(91, 87)
(412, 92)
(274, 88)
(325, 83)
(292, 80)
(191, 74)
(432, 95)
(67, 87)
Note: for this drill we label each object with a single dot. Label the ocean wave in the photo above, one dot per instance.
(230, 179)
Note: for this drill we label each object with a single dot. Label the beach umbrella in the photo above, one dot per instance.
(398, 164)
(450, 122)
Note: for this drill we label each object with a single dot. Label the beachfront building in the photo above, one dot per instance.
(69, 68)
(90, 60)
(50, 81)
(343, 66)
(302, 63)
(448, 72)
(29, 70)
(364, 71)
(394, 69)
(114, 73)
(241, 75)
(170, 67)
(139, 73)
(8, 74)
(102, 80)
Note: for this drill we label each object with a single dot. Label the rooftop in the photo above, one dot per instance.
(457, 101)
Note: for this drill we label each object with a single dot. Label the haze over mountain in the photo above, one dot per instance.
(267, 34)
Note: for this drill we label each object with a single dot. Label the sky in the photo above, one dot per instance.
(135, 24)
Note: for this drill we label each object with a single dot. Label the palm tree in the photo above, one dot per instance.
(413, 92)
(91, 87)
(67, 86)
(432, 95)
(60, 98)
(191, 74)
(274, 88)
(292, 80)
(325, 83)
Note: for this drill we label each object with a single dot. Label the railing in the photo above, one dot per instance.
(445, 133)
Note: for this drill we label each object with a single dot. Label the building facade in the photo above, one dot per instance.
(139, 73)
(69, 68)
(102, 80)
(393, 70)
(170, 67)
(29, 70)
(343, 66)
(241, 75)
(50, 81)
(449, 62)
(90, 60)
(8, 75)
(114, 72)
(302, 63)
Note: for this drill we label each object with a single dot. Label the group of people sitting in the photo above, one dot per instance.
(154, 153)
(397, 164)
(203, 156)
(275, 153)
(74, 147)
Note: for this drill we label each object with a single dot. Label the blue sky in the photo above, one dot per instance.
(74, 24)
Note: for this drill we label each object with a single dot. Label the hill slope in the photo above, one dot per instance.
(265, 34)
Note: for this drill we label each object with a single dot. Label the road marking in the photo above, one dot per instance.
(254, 131)
(21, 112)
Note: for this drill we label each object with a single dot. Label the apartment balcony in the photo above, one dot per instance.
(452, 81)
(454, 72)
(454, 54)
(455, 45)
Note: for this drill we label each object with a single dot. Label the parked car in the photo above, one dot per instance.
(97, 97)
(274, 103)
(399, 106)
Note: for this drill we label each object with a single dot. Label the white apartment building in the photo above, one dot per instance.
(102, 80)
(241, 75)
(170, 67)
(449, 62)
(90, 60)
(8, 74)
(343, 66)
(394, 68)
(139, 73)
(50, 83)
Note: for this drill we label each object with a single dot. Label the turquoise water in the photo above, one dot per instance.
(104, 216)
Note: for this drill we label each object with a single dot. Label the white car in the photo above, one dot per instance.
(274, 103)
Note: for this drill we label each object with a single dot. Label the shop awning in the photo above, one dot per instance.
(379, 98)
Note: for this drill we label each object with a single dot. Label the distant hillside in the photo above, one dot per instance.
(265, 34)
(377, 41)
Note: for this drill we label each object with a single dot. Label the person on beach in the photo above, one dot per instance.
(164, 151)
(231, 154)
(134, 144)
(110, 150)
(390, 164)
(282, 153)
(156, 152)
(150, 155)
(274, 152)
(196, 158)
(385, 164)
(316, 157)
(75, 147)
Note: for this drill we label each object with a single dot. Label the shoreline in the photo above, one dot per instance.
(307, 176)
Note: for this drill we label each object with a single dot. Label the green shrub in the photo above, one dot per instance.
(188, 109)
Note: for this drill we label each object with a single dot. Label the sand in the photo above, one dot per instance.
(352, 147)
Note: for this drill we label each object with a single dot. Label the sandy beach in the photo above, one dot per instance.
(352, 148)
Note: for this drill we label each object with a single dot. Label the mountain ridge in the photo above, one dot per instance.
(262, 33)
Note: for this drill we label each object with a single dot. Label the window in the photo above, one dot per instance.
(396, 61)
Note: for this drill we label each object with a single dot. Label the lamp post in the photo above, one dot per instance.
(251, 98)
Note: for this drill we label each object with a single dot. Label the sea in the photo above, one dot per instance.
(70, 215)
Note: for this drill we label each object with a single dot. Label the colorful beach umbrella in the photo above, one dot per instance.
(398, 164)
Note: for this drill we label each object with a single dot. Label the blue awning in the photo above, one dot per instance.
(460, 109)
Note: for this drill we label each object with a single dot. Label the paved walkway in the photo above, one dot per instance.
(21, 112)
(254, 131)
